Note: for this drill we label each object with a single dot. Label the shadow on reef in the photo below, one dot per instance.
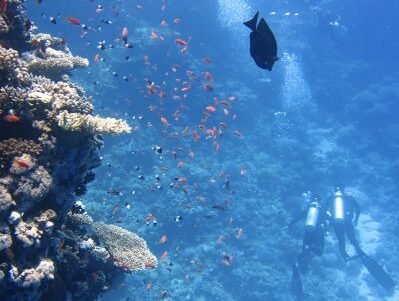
(50, 249)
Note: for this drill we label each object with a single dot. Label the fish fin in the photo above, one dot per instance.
(377, 271)
(252, 23)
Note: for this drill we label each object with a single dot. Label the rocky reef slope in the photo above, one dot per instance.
(50, 248)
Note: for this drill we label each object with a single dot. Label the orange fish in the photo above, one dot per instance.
(73, 21)
(210, 108)
(207, 75)
(164, 121)
(195, 135)
(163, 239)
(176, 21)
(22, 163)
(164, 256)
(181, 42)
(163, 23)
(96, 57)
(152, 108)
(11, 118)
(207, 60)
(182, 180)
(124, 34)
(149, 217)
(149, 265)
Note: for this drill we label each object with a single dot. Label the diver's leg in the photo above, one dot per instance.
(350, 232)
(303, 258)
(318, 244)
(340, 233)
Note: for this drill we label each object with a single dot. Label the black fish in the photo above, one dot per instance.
(263, 46)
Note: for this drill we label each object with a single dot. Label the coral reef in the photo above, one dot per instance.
(92, 124)
(128, 251)
(49, 145)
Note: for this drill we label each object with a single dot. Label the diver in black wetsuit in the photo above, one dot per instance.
(345, 213)
(315, 227)
(313, 240)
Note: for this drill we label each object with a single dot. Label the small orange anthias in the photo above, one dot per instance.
(11, 116)
(22, 163)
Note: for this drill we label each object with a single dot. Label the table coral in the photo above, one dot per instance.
(92, 124)
(129, 251)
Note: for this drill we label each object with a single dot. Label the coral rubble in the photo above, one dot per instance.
(49, 143)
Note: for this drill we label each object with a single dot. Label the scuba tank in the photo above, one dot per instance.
(339, 212)
(312, 216)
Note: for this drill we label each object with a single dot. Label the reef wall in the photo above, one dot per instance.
(50, 248)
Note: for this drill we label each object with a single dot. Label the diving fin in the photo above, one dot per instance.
(252, 23)
(376, 271)
(296, 282)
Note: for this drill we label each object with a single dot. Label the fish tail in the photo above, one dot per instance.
(252, 23)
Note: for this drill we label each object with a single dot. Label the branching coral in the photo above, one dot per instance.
(43, 40)
(12, 98)
(9, 63)
(92, 124)
(6, 200)
(34, 185)
(28, 234)
(3, 25)
(5, 237)
(67, 97)
(13, 147)
(56, 63)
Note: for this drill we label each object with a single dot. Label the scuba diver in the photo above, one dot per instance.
(345, 213)
(313, 240)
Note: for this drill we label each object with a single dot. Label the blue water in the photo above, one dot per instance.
(326, 114)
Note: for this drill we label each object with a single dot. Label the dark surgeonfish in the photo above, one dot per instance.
(263, 46)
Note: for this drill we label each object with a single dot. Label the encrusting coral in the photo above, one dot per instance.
(49, 143)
